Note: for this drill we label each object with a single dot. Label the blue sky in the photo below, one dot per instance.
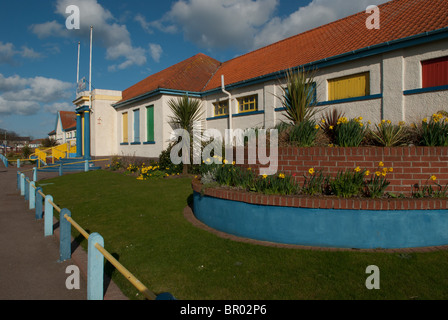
(132, 40)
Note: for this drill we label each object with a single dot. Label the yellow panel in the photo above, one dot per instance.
(125, 128)
(349, 87)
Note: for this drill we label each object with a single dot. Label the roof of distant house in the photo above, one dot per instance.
(399, 19)
(68, 120)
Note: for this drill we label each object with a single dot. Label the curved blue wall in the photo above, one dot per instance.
(361, 229)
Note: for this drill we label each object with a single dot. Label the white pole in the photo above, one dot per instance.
(77, 72)
(90, 68)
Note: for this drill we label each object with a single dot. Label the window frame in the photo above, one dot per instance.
(332, 95)
(221, 106)
(253, 100)
(125, 125)
(437, 79)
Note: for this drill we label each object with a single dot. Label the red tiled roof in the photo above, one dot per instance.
(398, 19)
(68, 119)
(189, 75)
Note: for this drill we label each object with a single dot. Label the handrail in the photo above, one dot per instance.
(131, 278)
(126, 273)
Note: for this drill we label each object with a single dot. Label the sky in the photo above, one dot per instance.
(131, 40)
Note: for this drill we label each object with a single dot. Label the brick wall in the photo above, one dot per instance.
(411, 164)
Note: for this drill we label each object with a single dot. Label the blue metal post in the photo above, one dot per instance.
(86, 166)
(87, 135)
(78, 135)
(95, 268)
(32, 197)
(34, 174)
(38, 205)
(18, 163)
(65, 243)
(48, 217)
(27, 189)
(22, 184)
(18, 180)
(60, 170)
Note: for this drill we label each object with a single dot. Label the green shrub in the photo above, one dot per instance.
(304, 134)
(350, 133)
(376, 186)
(434, 132)
(348, 183)
(387, 134)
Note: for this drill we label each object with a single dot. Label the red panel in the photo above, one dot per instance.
(435, 72)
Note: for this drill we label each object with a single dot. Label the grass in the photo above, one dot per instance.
(143, 227)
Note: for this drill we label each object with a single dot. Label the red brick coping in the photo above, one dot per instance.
(320, 202)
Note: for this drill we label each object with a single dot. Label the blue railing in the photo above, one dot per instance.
(44, 207)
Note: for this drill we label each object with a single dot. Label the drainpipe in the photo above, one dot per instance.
(230, 107)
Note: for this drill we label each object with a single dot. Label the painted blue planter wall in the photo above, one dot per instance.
(361, 229)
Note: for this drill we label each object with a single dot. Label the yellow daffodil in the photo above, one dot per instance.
(433, 178)
(381, 164)
(358, 169)
(311, 171)
(367, 173)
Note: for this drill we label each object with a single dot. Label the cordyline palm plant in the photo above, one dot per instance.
(186, 112)
(298, 97)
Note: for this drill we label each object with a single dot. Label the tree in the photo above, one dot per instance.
(298, 96)
(186, 112)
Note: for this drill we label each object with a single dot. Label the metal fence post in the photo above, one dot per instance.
(48, 217)
(34, 174)
(22, 184)
(18, 163)
(86, 166)
(38, 204)
(18, 180)
(60, 170)
(95, 268)
(27, 189)
(65, 227)
(32, 197)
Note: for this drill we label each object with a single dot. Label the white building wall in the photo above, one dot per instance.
(103, 123)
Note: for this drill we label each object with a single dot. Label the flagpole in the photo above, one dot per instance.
(90, 67)
(77, 72)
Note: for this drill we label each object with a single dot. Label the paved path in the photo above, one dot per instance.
(29, 266)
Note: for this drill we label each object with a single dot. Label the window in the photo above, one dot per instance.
(221, 108)
(248, 104)
(349, 87)
(136, 125)
(435, 72)
(150, 124)
(125, 127)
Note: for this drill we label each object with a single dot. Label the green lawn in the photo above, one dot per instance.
(143, 227)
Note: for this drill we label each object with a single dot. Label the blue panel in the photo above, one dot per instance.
(136, 125)
(361, 229)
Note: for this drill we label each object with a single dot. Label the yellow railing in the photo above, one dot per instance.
(128, 275)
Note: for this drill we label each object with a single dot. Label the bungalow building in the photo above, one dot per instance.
(397, 72)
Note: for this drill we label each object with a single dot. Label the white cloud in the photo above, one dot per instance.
(107, 32)
(156, 51)
(8, 53)
(58, 106)
(317, 13)
(221, 23)
(24, 95)
(249, 24)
